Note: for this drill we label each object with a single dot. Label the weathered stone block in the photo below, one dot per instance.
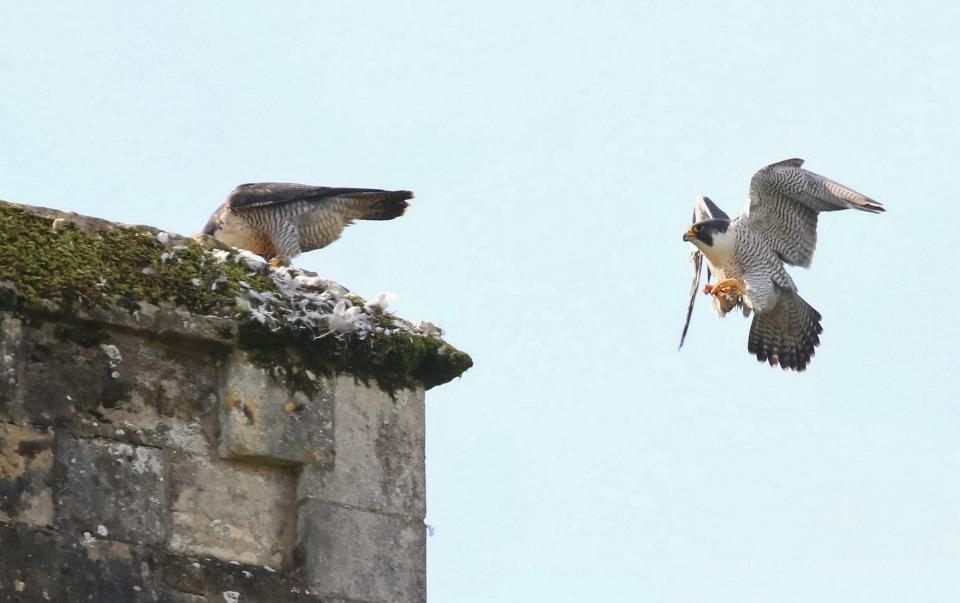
(65, 368)
(262, 420)
(42, 566)
(193, 456)
(28, 563)
(175, 381)
(357, 554)
(380, 452)
(108, 570)
(39, 565)
(231, 511)
(26, 464)
(185, 575)
(166, 321)
(143, 426)
(71, 367)
(111, 489)
(225, 582)
(10, 329)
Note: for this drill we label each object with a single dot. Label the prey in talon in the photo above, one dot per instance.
(728, 293)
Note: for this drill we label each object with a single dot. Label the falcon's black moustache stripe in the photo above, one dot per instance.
(708, 228)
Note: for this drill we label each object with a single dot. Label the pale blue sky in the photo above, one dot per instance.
(556, 149)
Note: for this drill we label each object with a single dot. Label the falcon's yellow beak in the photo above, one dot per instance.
(689, 234)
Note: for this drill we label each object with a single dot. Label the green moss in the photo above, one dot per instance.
(392, 361)
(120, 267)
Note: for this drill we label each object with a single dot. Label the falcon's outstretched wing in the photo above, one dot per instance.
(703, 209)
(784, 202)
(261, 194)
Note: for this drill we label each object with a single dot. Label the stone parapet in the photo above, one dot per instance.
(204, 448)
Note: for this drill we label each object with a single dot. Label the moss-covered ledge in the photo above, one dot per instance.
(93, 271)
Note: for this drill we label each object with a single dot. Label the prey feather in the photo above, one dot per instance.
(696, 258)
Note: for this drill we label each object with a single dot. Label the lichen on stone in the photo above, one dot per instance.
(55, 260)
(295, 323)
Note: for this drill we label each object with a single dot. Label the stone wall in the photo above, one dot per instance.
(149, 452)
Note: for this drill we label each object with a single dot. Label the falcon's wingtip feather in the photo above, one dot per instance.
(871, 206)
(792, 162)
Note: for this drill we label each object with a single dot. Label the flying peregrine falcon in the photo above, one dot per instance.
(747, 254)
(279, 220)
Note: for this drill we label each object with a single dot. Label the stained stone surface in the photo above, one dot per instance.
(26, 464)
(111, 488)
(387, 554)
(143, 468)
(10, 329)
(39, 565)
(260, 420)
(380, 465)
(184, 453)
(69, 368)
(232, 511)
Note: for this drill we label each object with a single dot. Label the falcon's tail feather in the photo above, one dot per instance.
(787, 334)
(378, 205)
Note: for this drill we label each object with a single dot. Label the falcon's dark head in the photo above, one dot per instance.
(703, 234)
(215, 223)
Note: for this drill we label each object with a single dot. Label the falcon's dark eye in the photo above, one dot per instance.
(697, 228)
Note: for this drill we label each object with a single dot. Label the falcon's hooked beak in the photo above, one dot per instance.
(689, 235)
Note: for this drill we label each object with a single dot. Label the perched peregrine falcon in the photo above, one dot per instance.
(747, 254)
(279, 220)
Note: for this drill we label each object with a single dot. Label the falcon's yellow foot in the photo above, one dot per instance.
(729, 286)
(707, 289)
(277, 262)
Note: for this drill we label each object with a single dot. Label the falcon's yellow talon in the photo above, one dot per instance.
(729, 286)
